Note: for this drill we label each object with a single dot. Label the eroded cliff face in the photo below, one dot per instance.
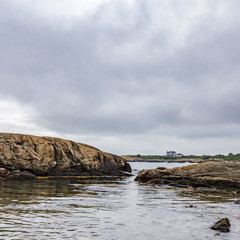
(54, 156)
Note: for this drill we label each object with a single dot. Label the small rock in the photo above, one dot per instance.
(237, 202)
(222, 225)
(27, 175)
(217, 234)
(190, 206)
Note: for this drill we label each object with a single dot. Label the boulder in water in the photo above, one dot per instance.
(222, 225)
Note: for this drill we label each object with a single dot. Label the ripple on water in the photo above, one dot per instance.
(112, 209)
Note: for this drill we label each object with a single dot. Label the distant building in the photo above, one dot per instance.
(174, 154)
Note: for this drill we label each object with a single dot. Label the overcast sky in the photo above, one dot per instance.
(127, 76)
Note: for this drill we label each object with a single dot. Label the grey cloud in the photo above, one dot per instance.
(130, 76)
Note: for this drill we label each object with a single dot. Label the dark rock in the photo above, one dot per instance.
(237, 202)
(13, 177)
(25, 175)
(237, 192)
(190, 206)
(222, 225)
(18, 175)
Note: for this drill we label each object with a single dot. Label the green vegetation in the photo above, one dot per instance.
(229, 157)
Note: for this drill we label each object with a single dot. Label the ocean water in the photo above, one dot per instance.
(113, 208)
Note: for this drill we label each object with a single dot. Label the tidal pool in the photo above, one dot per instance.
(113, 208)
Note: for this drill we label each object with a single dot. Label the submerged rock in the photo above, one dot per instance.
(222, 225)
(212, 174)
(237, 202)
(23, 155)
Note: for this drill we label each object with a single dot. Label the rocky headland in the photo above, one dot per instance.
(25, 156)
(220, 175)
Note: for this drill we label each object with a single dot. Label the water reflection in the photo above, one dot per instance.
(111, 208)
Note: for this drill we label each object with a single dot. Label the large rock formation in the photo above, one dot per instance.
(211, 174)
(47, 156)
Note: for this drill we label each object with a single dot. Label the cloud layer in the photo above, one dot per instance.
(163, 74)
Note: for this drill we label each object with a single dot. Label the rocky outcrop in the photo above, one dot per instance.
(220, 175)
(222, 225)
(47, 156)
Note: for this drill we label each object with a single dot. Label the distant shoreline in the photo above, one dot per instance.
(173, 160)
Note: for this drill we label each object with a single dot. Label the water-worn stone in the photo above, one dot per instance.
(220, 175)
(55, 157)
(222, 225)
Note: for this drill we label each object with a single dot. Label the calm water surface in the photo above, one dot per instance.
(113, 208)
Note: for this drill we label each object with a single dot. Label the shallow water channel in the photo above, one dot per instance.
(113, 208)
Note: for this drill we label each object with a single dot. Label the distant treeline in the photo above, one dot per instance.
(229, 157)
